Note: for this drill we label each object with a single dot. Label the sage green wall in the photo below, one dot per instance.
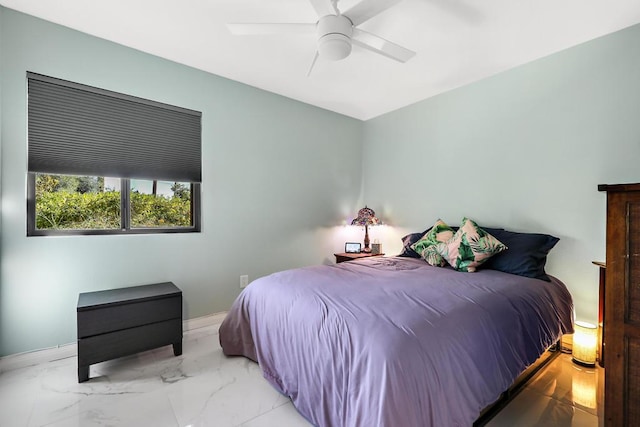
(524, 149)
(277, 176)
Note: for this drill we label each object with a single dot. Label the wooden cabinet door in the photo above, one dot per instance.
(622, 307)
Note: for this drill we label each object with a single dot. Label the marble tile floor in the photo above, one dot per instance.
(204, 388)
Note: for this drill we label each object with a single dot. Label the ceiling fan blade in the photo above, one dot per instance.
(324, 7)
(367, 9)
(379, 45)
(252, 29)
(313, 63)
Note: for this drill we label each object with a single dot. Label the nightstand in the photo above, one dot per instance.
(124, 321)
(351, 256)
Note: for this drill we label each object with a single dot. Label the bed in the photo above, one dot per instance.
(394, 341)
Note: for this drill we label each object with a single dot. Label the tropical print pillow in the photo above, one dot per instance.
(440, 232)
(470, 247)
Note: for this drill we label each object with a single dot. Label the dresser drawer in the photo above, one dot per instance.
(114, 318)
(128, 341)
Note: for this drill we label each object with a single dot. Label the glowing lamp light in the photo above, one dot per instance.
(585, 341)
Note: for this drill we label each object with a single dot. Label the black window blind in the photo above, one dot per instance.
(82, 130)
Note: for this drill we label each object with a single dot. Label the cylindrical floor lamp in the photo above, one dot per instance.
(585, 340)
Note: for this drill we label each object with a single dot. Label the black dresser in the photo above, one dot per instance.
(121, 322)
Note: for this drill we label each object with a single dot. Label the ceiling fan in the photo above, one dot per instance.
(336, 31)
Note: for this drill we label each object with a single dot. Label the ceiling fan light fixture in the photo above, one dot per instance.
(334, 37)
(334, 46)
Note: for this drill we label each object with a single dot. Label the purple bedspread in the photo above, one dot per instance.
(392, 342)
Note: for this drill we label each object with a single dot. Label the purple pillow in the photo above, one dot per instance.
(526, 254)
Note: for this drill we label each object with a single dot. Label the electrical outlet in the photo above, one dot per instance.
(244, 281)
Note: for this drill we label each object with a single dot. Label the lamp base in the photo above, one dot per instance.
(581, 363)
(366, 249)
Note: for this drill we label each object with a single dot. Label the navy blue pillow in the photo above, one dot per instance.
(526, 256)
(409, 240)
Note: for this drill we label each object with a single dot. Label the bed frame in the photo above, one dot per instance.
(509, 394)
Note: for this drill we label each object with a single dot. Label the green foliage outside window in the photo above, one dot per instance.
(148, 210)
(82, 203)
(62, 210)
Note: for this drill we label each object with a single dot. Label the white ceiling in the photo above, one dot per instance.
(457, 42)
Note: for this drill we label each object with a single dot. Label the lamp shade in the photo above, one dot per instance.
(584, 343)
(366, 216)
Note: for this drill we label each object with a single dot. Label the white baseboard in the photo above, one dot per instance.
(36, 357)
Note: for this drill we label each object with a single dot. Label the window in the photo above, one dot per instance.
(160, 204)
(101, 162)
(76, 203)
(65, 204)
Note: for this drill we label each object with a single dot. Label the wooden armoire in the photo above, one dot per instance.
(622, 306)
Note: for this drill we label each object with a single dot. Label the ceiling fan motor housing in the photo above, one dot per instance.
(334, 37)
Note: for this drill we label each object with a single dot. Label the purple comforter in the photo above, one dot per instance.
(391, 342)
